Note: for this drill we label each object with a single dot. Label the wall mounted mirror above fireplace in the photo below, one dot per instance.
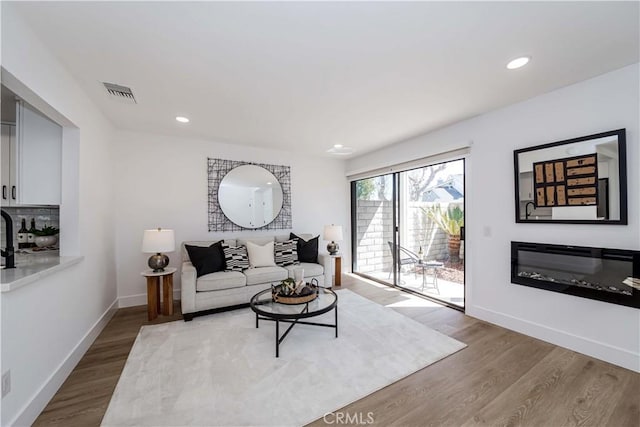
(575, 181)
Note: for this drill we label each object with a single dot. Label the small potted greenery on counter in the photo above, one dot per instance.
(47, 236)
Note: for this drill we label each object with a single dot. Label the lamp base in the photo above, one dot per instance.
(158, 262)
(333, 248)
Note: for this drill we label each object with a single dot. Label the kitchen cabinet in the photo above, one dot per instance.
(39, 158)
(525, 186)
(31, 159)
(9, 151)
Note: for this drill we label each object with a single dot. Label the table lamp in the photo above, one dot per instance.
(155, 242)
(333, 233)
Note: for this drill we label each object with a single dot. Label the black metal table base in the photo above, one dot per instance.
(294, 322)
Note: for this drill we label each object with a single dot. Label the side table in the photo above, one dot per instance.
(153, 291)
(338, 268)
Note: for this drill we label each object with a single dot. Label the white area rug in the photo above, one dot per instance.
(220, 370)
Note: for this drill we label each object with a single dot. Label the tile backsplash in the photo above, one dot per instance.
(44, 216)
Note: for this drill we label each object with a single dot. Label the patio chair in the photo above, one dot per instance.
(404, 257)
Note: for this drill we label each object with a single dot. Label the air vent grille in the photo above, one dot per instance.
(120, 93)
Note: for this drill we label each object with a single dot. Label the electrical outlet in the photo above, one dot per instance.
(6, 383)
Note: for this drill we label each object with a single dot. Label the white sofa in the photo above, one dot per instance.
(233, 289)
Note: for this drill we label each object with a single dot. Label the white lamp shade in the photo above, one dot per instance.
(158, 240)
(333, 233)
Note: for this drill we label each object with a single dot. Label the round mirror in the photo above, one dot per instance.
(250, 196)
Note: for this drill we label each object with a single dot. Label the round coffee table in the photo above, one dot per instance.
(266, 309)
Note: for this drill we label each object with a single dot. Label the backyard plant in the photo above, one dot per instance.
(450, 221)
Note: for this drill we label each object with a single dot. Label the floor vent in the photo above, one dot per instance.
(120, 93)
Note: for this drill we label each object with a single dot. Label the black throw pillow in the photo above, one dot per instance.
(207, 260)
(307, 249)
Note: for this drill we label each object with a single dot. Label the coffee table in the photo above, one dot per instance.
(266, 309)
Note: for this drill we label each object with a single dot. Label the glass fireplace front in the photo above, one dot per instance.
(611, 275)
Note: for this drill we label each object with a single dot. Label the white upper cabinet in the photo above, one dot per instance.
(39, 158)
(9, 149)
(526, 186)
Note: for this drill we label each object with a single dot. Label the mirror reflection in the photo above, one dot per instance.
(250, 196)
(580, 180)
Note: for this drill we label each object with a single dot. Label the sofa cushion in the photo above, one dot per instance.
(235, 257)
(310, 269)
(260, 255)
(258, 240)
(206, 259)
(307, 249)
(286, 253)
(221, 280)
(265, 275)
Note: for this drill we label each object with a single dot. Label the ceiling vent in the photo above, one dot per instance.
(120, 93)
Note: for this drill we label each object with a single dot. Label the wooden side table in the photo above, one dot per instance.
(153, 292)
(338, 269)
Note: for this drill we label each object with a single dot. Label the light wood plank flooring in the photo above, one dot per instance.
(501, 379)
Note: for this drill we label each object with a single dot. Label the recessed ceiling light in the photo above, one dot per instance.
(269, 183)
(518, 62)
(182, 119)
(340, 150)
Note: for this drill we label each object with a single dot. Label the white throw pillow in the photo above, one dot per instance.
(260, 256)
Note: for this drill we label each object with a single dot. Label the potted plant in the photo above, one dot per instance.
(287, 286)
(449, 220)
(47, 236)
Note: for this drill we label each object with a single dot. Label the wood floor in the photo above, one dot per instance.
(501, 379)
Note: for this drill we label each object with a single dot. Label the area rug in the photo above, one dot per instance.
(219, 370)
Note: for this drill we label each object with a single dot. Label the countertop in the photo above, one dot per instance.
(31, 267)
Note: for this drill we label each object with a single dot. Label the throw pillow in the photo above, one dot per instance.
(307, 249)
(206, 260)
(286, 253)
(235, 257)
(260, 256)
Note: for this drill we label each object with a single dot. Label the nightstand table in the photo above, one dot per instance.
(153, 292)
(338, 269)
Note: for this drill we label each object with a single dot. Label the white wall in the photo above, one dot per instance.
(611, 101)
(46, 325)
(161, 181)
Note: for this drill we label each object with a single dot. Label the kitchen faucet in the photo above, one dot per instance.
(9, 252)
(526, 209)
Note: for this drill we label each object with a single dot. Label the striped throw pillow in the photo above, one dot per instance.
(235, 257)
(286, 253)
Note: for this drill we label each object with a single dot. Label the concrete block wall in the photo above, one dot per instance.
(421, 231)
(374, 229)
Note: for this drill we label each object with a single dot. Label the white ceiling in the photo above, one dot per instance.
(305, 76)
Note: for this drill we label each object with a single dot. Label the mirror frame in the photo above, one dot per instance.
(622, 172)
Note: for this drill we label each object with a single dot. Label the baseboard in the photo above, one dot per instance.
(41, 398)
(609, 353)
(140, 299)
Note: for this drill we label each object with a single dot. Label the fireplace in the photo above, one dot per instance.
(611, 275)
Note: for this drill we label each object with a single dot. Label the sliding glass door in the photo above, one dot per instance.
(373, 205)
(409, 230)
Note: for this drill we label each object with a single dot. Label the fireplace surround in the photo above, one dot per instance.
(610, 275)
